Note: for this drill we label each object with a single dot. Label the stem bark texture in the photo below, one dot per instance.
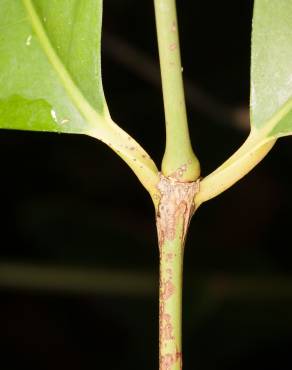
(175, 210)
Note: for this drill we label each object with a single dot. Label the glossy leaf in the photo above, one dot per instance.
(271, 95)
(40, 73)
(50, 75)
(271, 68)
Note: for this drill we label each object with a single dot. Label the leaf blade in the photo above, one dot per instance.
(27, 72)
(74, 29)
(39, 90)
(271, 68)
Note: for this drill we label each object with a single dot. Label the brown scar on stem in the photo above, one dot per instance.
(169, 271)
(173, 27)
(166, 328)
(172, 47)
(169, 359)
(179, 172)
(169, 257)
(166, 289)
(166, 360)
(176, 204)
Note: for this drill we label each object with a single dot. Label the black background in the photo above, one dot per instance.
(68, 201)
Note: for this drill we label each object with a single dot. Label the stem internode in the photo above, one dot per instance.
(174, 212)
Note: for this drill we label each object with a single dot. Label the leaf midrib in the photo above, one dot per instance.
(91, 115)
(103, 128)
(272, 122)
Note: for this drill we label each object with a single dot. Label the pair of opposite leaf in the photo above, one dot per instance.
(50, 80)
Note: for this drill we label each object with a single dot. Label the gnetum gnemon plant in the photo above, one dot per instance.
(50, 80)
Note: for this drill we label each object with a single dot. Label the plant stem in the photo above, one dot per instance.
(235, 168)
(179, 160)
(173, 216)
(170, 303)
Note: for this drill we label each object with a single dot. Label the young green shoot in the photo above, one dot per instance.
(179, 160)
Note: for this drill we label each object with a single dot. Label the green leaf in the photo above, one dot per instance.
(41, 71)
(271, 68)
(50, 75)
(271, 95)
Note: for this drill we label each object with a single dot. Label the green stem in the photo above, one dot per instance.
(173, 216)
(170, 303)
(179, 159)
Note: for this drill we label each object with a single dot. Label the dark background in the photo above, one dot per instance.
(62, 217)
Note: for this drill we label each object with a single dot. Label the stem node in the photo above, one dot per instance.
(173, 216)
(178, 150)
